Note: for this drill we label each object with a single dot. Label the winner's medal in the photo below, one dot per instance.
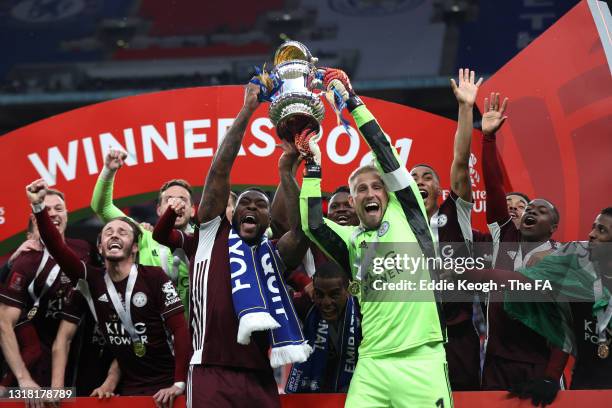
(603, 350)
(49, 281)
(603, 320)
(32, 312)
(139, 348)
(124, 313)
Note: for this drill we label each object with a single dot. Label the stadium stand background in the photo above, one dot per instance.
(62, 54)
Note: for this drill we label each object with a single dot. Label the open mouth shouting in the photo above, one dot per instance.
(342, 219)
(248, 223)
(114, 245)
(529, 221)
(372, 208)
(424, 193)
(372, 213)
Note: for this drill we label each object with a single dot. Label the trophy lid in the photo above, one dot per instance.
(292, 50)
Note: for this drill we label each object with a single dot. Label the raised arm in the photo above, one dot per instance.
(164, 231)
(65, 257)
(397, 178)
(102, 199)
(465, 92)
(293, 244)
(330, 237)
(492, 119)
(278, 209)
(217, 185)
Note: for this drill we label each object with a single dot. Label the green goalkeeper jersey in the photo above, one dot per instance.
(150, 253)
(389, 325)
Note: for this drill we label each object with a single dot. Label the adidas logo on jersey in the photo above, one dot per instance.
(103, 298)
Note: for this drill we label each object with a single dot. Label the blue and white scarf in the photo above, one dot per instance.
(308, 376)
(261, 301)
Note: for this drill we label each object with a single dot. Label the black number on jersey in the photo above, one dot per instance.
(440, 403)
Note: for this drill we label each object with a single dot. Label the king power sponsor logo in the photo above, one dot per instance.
(118, 336)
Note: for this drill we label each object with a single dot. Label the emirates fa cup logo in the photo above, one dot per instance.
(474, 176)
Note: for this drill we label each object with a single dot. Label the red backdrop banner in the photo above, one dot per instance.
(174, 134)
(557, 140)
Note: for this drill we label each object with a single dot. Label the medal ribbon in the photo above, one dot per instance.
(83, 287)
(603, 317)
(125, 314)
(48, 282)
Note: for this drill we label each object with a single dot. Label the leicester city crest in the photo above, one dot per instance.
(442, 220)
(384, 227)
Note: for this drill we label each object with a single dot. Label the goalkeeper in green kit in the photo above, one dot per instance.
(402, 362)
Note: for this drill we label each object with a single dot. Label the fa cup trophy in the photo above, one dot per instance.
(294, 106)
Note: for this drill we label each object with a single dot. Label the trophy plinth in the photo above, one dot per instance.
(294, 106)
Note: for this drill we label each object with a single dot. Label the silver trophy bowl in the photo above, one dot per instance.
(294, 106)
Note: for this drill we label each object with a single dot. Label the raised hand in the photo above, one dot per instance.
(493, 116)
(467, 89)
(251, 93)
(337, 79)
(290, 156)
(114, 159)
(36, 191)
(178, 206)
(307, 144)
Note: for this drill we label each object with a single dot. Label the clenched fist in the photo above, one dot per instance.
(114, 159)
(36, 191)
(178, 205)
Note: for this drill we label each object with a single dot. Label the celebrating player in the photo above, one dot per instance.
(229, 260)
(339, 208)
(401, 358)
(136, 305)
(332, 325)
(515, 353)
(35, 291)
(175, 264)
(579, 273)
(450, 224)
